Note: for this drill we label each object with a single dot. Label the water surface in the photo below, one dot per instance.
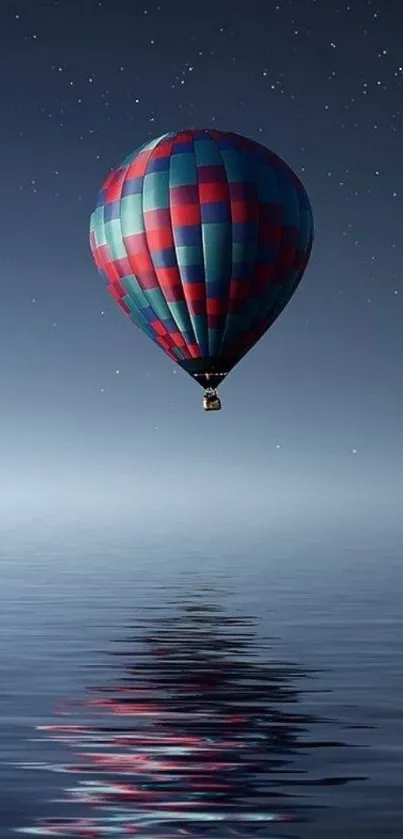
(233, 685)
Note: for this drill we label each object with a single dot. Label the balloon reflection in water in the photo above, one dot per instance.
(196, 738)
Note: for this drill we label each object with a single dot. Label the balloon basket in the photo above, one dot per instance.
(211, 402)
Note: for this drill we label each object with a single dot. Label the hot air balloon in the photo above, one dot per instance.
(203, 236)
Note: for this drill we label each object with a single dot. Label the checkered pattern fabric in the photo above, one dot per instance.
(203, 236)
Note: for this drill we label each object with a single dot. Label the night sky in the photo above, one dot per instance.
(94, 415)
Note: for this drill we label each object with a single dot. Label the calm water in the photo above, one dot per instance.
(236, 684)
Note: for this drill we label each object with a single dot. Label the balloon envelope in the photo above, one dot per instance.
(203, 236)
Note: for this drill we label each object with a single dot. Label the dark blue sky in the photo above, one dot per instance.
(93, 412)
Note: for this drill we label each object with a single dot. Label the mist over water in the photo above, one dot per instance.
(241, 683)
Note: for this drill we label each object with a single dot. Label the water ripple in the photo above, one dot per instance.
(198, 732)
